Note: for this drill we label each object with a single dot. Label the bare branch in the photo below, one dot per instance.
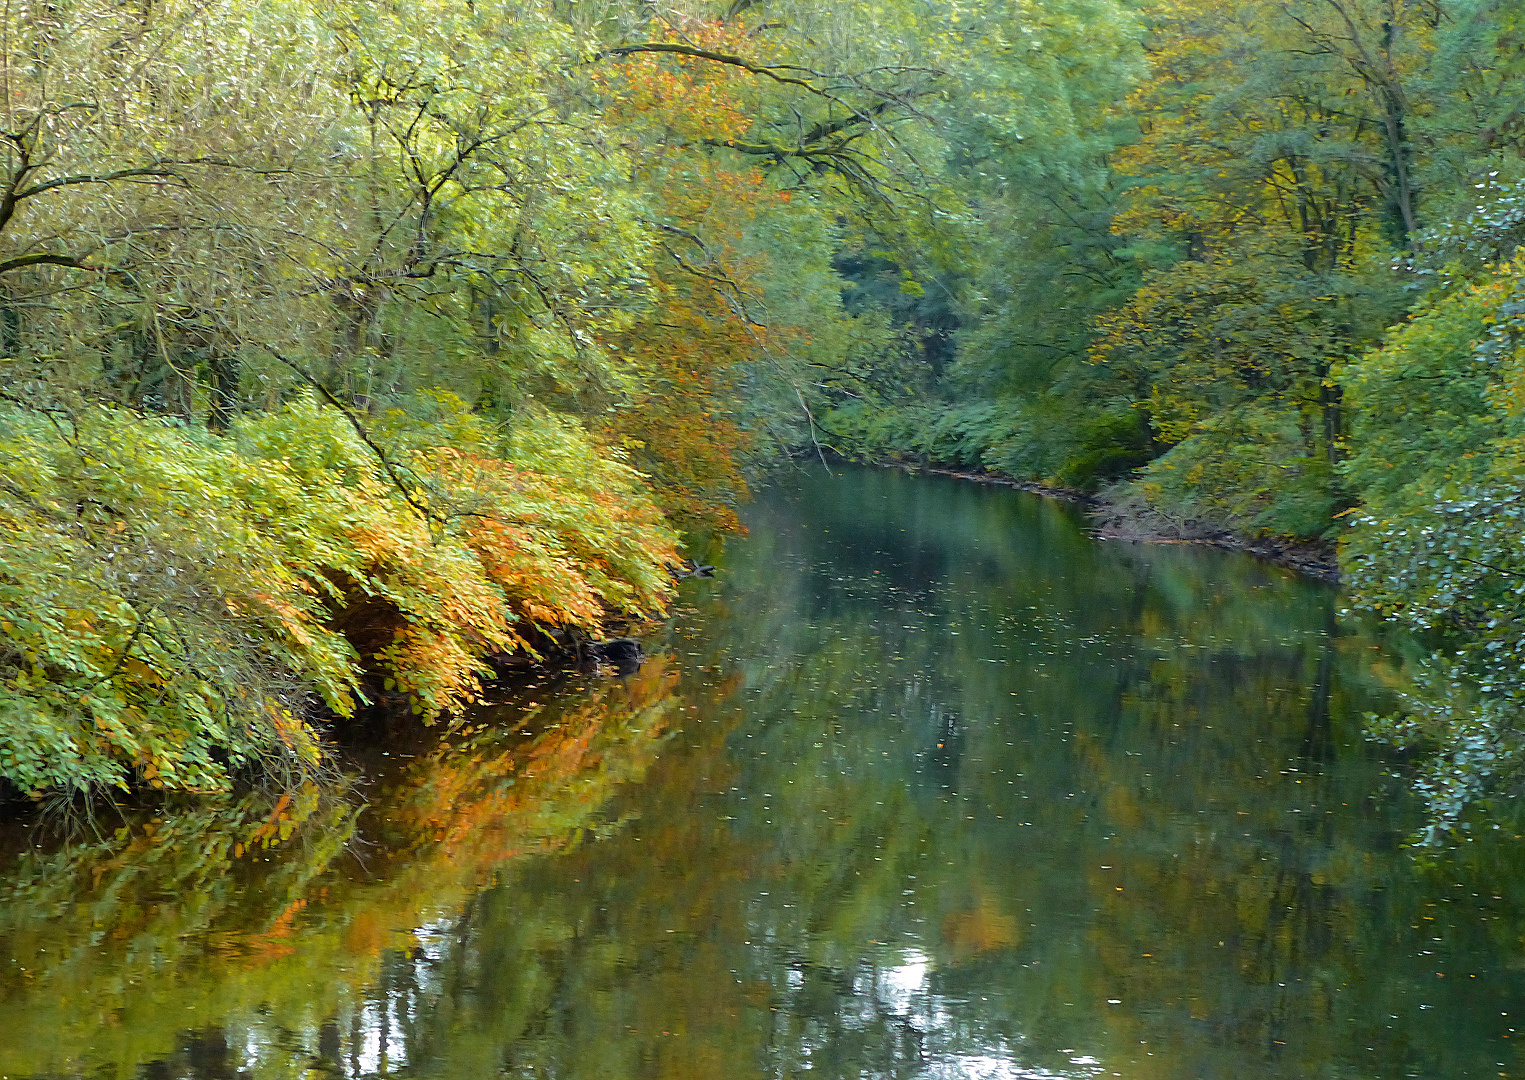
(42, 258)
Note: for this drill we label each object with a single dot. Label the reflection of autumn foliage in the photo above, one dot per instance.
(110, 938)
(483, 799)
(979, 929)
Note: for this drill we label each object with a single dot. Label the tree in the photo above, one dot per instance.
(1436, 544)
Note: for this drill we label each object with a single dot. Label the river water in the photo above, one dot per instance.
(925, 784)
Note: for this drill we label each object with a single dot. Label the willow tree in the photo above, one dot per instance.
(159, 166)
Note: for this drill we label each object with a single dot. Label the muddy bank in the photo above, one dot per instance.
(1120, 515)
(1312, 558)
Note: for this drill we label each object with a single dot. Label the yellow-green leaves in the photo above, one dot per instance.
(173, 606)
(1438, 543)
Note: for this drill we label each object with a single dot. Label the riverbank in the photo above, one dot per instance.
(1117, 518)
(354, 746)
(180, 613)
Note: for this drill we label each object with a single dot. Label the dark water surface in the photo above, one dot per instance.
(926, 784)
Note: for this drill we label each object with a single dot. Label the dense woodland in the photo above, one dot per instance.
(350, 345)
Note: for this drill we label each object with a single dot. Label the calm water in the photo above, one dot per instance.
(926, 784)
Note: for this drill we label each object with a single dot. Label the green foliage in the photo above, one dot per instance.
(1468, 247)
(1437, 544)
(1250, 470)
(1048, 439)
(152, 623)
(1182, 276)
(172, 603)
(1038, 440)
(1215, 234)
(1420, 405)
(950, 435)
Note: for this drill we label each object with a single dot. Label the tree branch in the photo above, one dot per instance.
(43, 258)
(771, 71)
(421, 508)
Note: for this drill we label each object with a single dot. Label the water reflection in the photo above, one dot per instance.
(944, 789)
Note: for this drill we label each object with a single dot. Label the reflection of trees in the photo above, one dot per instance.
(1214, 731)
(282, 908)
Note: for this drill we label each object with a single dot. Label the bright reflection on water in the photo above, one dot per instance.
(926, 785)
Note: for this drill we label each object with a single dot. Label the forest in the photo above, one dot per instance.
(349, 346)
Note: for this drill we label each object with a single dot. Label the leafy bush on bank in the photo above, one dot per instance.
(173, 603)
(936, 431)
(1438, 544)
(1011, 435)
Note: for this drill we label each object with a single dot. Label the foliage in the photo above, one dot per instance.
(546, 269)
(1183, 278)
(1468, 247)
(151, 625)
(566, 277)
(1437, 543)
(174, 602)
(944, 435)
(1204, 239)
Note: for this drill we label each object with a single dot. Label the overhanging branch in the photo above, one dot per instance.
(421, 508)
(43, 258)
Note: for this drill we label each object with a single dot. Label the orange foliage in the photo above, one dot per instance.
(682, 428)
(461, 811)
(692, 347)
(561, 556)
(423, 600)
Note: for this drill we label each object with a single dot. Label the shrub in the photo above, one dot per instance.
(173, 603)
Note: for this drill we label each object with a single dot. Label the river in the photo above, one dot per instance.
(925, 784)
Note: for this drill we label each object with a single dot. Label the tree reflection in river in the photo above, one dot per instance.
(244, 925)
(955, 792)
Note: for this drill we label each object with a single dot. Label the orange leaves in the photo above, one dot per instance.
(693, 345)
(538, 577)
(690, 443)
(562, 539)
(704, 331)
(676, 99)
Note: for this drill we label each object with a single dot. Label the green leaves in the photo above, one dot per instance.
(173, 606)
(1439, 543)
